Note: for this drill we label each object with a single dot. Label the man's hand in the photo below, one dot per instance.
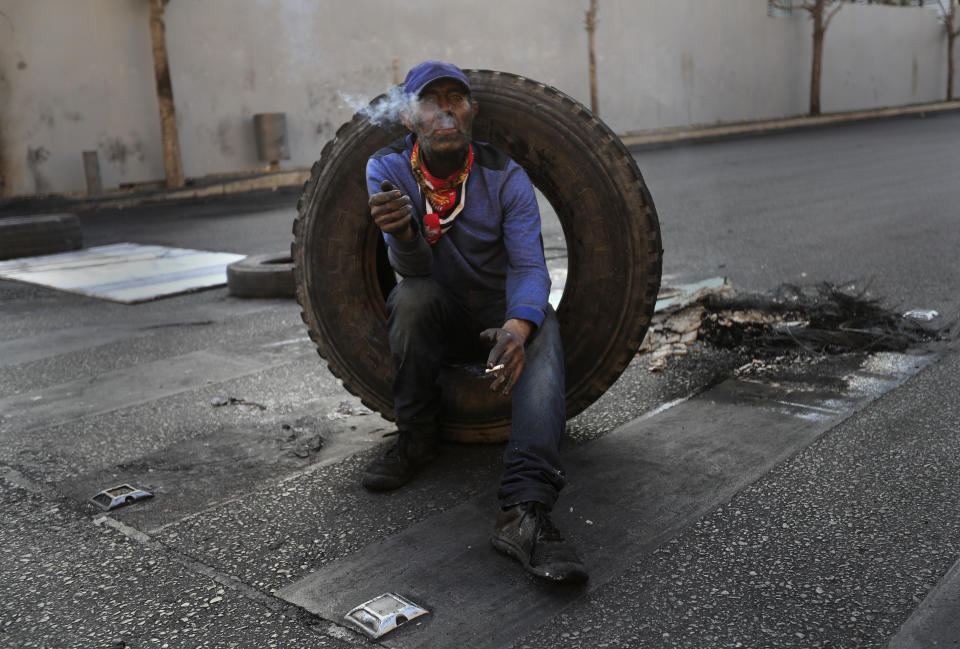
(392, 211)
(508, 342)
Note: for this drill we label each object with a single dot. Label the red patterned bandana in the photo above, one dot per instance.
(441, 194)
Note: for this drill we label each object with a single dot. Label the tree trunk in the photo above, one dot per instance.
(591, 28)
(168, 117)
(950, 40)
(6, 189)
(950, 19)
(818, 31)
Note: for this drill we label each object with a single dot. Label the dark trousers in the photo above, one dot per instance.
(430, 326)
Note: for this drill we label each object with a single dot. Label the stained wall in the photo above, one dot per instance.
(78, 76)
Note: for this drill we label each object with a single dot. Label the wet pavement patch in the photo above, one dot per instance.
(676, 465)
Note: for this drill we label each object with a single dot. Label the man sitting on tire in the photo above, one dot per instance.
(462, 228)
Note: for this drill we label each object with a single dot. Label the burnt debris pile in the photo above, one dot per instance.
(821, 319)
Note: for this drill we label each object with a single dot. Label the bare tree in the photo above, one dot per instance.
(821, 20)
(168, 116)
(952, 25)
(591, 24)
(6, 188)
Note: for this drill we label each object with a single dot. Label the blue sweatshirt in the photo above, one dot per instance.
(493, 246)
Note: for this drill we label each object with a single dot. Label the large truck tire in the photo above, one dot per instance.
(32, 236)
(609, 222)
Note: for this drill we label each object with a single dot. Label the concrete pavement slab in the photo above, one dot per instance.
(116, 341)
(64, 341)
(271, 536)
(676, 466)
(120, 389)
(274, 536)
(31, 311)
(835, 547)
(300, 397)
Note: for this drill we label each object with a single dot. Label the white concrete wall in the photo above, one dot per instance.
(299, 60)
(77, 74)
(877, 55)
(669, 63)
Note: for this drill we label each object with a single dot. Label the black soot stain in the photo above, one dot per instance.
(119, 152)
(46, 118)
(38, 156)
(35, 158)
(324, 127)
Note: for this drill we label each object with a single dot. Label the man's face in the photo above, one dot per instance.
(442, 118)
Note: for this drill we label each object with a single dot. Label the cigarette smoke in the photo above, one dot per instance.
(384, 110)
(444, 120)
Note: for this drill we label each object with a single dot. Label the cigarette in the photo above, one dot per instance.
(495, 368)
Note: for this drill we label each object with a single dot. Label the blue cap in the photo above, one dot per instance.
(429, 71)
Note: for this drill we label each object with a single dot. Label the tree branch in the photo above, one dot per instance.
(826, 23)
(590, 22)
(949, 17)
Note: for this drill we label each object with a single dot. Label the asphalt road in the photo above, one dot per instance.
(830, 536)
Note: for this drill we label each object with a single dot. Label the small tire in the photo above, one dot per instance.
(261, 276)
(608, 219)
(32, 236)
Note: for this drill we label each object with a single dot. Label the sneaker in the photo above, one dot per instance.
(397, 466)
(526, 533)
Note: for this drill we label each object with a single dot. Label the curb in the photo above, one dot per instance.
(690, 134)
(297, 176)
